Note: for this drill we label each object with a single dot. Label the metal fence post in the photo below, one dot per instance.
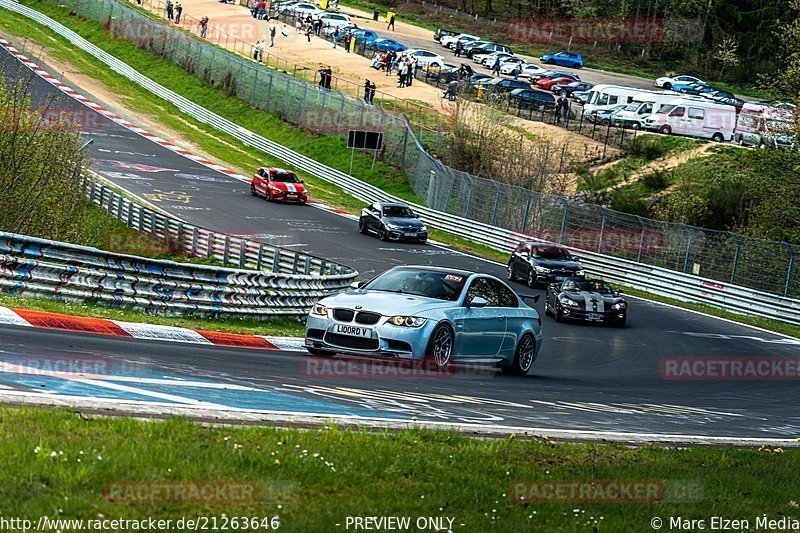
(194, 241)
(307, 266)
(736, 256)
(276, 260)
(242, 253)
(260, 256)
(790, 274)
(226, 249)
(689, 240)
(641, 239)
(496, 203)
(602, 229)
(527, 210)
(564, 220)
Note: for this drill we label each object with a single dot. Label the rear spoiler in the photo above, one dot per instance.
(534, 297)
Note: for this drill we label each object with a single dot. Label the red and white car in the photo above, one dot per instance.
(278, 185)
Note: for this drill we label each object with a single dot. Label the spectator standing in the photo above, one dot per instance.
(329, 71)
(372, 89)
(169, 7)
(317, 27)
(367, 90)
(272, 31)
(347, 39)
(459, 48)
(203, 27)
(411, 64)
(178, 11)
(335, 37)
(298, 24)
(322, 76)
(262, 10)
(517, 71)
(309, 31)
(401, 73)
(255, 50)
(564, 108)
(261, 47)
(496, 67)
(391, 23)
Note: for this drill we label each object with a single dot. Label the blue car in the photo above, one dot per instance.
(388, 45)
(564, 59)
(428, 314)
(368, 36)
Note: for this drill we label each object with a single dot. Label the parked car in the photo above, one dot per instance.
(568, 88)
(580, 96)
(476, 79)
(487, 60)
(304, 9)
(486, 49)
(604, 116)
(586, 300)
(445, 74)
(278, 185)
(392, 222)
(697, 88)
(368, 37)
(510, 64)
(425, 58)
(498, 87)
(675, 83)
(334, 20)
(388, 45)
(532, 99)
(420, 312)
(534, 72)
(724, 97)
(444, 32)
(542, 263)
(758, 121)
(547, 82)
(342, 30)
(450, 41)
(563, 59)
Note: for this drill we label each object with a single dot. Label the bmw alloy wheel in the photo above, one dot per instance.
(442, 346)
(525, 353)
(531, 278)
(510, 272)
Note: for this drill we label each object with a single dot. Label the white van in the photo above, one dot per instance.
(643, 105)
(757, 122)
(694, 118)
(602, 97)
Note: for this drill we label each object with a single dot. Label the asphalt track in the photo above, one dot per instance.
(586, 377)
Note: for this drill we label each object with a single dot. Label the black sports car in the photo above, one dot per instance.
(392, 222)
(589, 300)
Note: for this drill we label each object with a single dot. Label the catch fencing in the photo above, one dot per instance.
(500, 215)
(268, 282)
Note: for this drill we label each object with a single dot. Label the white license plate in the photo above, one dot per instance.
(353, 331)
(409, 234)
(595, 316)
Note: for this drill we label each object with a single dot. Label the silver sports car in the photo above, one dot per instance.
(427, 313)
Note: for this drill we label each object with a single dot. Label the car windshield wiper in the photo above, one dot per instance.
(399, 291)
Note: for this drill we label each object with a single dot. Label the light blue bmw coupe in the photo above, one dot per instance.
(431, 314)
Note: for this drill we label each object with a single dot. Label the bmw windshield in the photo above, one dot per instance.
(553, 252)
(437, 284)
(397, 211)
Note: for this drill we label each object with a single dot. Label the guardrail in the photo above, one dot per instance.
(284, 283)
(645, 277)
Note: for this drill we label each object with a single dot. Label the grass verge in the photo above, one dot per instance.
(279, 327)
(61, 464)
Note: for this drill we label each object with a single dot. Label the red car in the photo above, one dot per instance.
(547, 83)
(276, 184)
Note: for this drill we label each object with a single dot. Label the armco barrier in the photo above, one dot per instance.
(656, 280)
(287, 286)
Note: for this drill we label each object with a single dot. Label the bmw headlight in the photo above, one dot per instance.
(392, 226)
(619, 306)
(407, 321)
(542, 270)
(424, 229)
(569, 302)
(580, 272)
(319, 310)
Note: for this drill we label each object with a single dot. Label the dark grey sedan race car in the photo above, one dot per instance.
(392, 222)
(588, 300)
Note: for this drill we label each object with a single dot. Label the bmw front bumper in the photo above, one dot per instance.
(385, 340)
(405, 235)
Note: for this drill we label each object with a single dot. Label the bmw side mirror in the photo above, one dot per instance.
(302, 181)
(620, 291)
(478, 302)
(356, 284)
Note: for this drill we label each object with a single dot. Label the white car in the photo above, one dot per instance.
(534, 72)
(450, 40)
(487, 60)
(334, 20)
(305, 9)
(673, 83)
(425, 58)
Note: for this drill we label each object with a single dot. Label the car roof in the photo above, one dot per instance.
(392, 204)
(458, 271)
(276, 169)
